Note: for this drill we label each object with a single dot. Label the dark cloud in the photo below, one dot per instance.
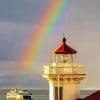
(11, 76)
(21, 10)
(21, 81)
(19, 17)
(12, 40)
(85, 11)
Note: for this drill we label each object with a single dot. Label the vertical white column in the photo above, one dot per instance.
(58, 88)
(54, 58)
(51, 91)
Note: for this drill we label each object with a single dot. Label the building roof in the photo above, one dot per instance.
(94, 96)
(65, 49)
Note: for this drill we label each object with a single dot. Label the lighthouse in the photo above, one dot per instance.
(63, 74)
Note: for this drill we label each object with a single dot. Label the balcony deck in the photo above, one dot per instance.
(51, 70)
(68, 74)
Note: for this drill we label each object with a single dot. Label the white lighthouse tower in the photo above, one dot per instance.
(64, 75)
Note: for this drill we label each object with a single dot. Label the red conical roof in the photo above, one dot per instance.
(65, 49)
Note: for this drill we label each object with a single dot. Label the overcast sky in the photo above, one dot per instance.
(18, 18)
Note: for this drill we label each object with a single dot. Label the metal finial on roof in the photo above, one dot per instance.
(64, 40)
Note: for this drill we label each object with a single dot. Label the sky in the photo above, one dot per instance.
(19, 18)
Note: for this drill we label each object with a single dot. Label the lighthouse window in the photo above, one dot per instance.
(58, 93)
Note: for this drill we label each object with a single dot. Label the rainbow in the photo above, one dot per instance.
(48, 21)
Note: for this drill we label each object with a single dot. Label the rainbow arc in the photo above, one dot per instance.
(49, 20)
